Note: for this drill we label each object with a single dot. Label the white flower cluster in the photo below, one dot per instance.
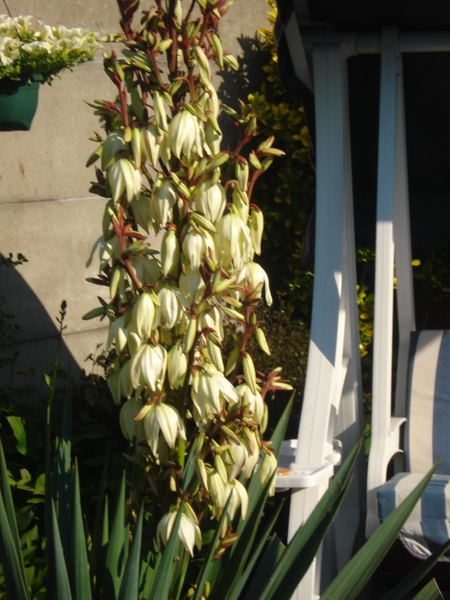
(161, 172)
(44, 51)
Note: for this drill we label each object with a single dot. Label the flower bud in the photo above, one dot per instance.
(249, 371)
(213, 136)
(144, 315)
(170, 253)
(176, 367)
(216, 489)
(256, 229)
(150, 143)
(267, 470)
(240, 201)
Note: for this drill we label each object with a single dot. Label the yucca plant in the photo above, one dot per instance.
(126, 564)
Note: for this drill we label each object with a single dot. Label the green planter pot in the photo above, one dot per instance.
(18, 104)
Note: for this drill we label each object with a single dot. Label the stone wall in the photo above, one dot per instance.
(46, 211)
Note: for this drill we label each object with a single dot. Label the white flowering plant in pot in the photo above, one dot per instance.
(40, 52)
(197, 418)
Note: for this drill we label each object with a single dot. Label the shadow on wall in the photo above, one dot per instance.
(28, 346)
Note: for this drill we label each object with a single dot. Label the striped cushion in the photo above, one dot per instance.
(427, 437)
(429, 523)
(428, 402)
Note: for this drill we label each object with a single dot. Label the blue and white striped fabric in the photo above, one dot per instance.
(427, 437)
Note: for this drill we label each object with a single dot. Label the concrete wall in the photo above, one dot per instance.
(46, 212)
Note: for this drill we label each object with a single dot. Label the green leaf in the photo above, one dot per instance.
(79, 565)
(60, 584)
(10, 547)
(129, 590)
(350, 581)
(300, 552)
(429, 592)
(20, 434)
(63, 475)
(115, 557)
(265, 564)
(14, 574)
(205, 572)
(416, 575)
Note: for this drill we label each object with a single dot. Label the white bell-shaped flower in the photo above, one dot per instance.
(176, 366)
(210, 200)
(196, 245)
(185, 135)
(256, 277)
(192, 285)
(253, 401)
(189, 532)
(239, 497)
(212, 389)
(233, 241)
(165, 197)
(148, 366)
(173, 304)
(165, 419)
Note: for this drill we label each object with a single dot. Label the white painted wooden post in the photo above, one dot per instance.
(392, 221)
(332, 392)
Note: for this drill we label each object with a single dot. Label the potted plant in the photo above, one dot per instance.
(30, 55)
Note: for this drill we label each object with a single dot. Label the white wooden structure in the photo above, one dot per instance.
(331, 420)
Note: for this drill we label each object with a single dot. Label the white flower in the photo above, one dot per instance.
(118, 333)
(267, 470)
(130, 427)
(144, 315)
(210, 392)
(213, 136)
(189, 532)
(195, 246)
(173, 304)
(151, 142)
(176, 366)
(256, 277)
(233, 241)
(165, 418)
(256, 229)
(165, 197)
(254, 401)
(185, 135)
(239, 497)
(216, 489)
(148, 366)
(123, 177)
(192, 285)
(147, 270)
(113, 144)
(210, 200)
(213, 320)
(142, 212)
(170, 253)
